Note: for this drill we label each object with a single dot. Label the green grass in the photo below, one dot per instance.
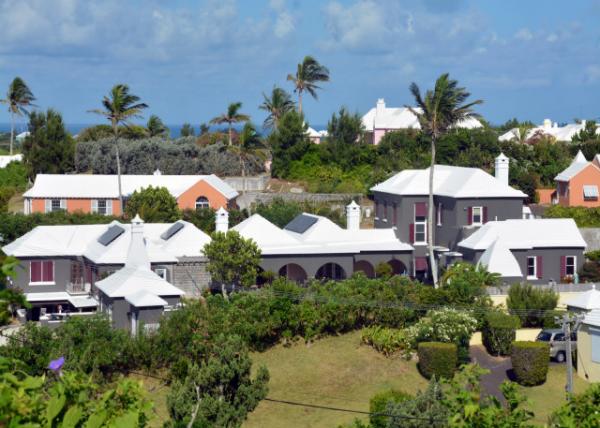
(334, 371)
(157, 392)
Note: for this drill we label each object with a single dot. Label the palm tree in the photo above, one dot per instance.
(155, 127)
(120, 107)
(437, 112)
(309, 72)
(232, 116)
(18, 98)
(250, 146)
(276, 105)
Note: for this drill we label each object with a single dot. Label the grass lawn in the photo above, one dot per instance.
(334, 371)
(15, 204)
(157, 392)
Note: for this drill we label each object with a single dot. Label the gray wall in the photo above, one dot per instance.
(62, 276)
(191, 276)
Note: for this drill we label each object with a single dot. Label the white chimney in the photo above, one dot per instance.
(353, 216)
(547, 123)
(501, 168)
(157, 172)
(583, 123)
(222, 220)
(137, 255)
(380, 107)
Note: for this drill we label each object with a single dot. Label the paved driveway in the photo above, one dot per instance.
(498, 367)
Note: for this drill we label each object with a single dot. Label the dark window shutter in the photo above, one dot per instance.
(395, 214)
(421, 209)
(441, 208)
(485, 215)
(563, 267)
(36, 271)
(539, 267)
(470, 216)
(411, 233)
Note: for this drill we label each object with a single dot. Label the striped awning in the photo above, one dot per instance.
(590, 191)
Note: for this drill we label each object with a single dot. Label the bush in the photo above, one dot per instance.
(580, 411)
(153, 204)
(530, 362)
(379, 404)
(437, 359)
(499, 332)
(531, 304)
(388, 341)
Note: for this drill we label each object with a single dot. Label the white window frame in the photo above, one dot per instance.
(420, 223)
(162, 272)
(480, 210)
(594, 344)
(49, 202)
(439, 214)
(107, 206)
(535, 267)
(574, 265)
(42, 273)
(203, 203)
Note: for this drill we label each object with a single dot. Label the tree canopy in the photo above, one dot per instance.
(153, 204)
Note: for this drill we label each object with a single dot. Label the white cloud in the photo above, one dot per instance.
(284, 24)
(524, 34)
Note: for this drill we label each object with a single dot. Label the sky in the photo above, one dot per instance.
(188, 59)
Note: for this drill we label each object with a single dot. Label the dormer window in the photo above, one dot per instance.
(202, 202)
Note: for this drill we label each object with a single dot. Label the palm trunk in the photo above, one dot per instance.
(12, 131)
(300, 102)
(116, 131)
(230, 135)
(432, 261)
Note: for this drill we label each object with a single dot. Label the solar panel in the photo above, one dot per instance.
(301, 223)
(112, 233)
(175, 227)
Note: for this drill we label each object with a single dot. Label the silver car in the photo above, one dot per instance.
(558, 346)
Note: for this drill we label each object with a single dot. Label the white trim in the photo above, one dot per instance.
(42, 273)
(574, 265)
(535, 267)
(439, 214)
(480, 222)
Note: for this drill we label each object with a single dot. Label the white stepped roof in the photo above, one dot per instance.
(560, 133)
(453, 181)
(82, 240)
(526, 234)
(592, 318)
(264, 233)
(142, 299)
(588, 300)
(499, 259)
(106, 186)
(579, 164)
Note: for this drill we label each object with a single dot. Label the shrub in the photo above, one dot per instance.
(379, 404)
(580, 411)
(530, 362)
(499, 331)
(437, 359)
(531, 303)
(388, 341)
(383, 270)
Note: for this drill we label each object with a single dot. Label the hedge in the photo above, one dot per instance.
(530, 362)
(437, 359)
(499, 332)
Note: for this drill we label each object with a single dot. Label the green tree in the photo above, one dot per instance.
(232, 260)
(308, 73)
(204, 129)
(438, 111)
(10, 298)
(19, 98)
(232, 116)
(589, 132)
(345, 139)
(153, 204)
(276, 105)
(156, 128)
(120, 106)
(531, 304)
(217, 389)
(580, 411)
(289, 142)
(187, 130)
(466, 283)
(250, 146)
(48, 148)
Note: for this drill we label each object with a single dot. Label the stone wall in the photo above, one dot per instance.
(191, 276)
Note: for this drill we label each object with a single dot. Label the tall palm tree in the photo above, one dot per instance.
(276, 105)
(437, 112)
(18, 98)
(120, 107)
(155, 127)
(232, 116)
(250, 146)
(309, 72)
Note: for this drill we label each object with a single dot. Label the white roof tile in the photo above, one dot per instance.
(499, 259)
(130, 280)
(588, 300)
(578, 164)
(142, 299)
(106, 186)
(592, 318)
(453, 181)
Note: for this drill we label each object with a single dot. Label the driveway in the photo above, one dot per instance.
(498, 367)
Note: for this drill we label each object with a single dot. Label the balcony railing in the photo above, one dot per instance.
(78, 287)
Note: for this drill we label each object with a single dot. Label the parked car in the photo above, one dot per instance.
(558, 346)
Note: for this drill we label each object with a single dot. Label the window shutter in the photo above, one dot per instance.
(421, 209)
(411, 233)
(470, 216)
(539, 267)
(563, 267)
(109, 207)
(48, 205)
(48, 271)
(63, 204)
(35, 271)
(485, 215)
(94, 205)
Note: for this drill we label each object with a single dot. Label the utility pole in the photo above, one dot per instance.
(566, 327)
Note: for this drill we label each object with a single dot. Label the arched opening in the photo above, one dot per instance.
(293, 272)
(364, 267)
(202, 202)
(331, 271)
(398, 268)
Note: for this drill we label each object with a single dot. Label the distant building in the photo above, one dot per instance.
(559, 133)
(381, 119)
(588, 347)
(316, 136)
(19, 138)
(6, 159)
(578, 184)
(100, 193)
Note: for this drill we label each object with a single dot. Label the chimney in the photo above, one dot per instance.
(501, 168)
(157, 172)
(380, 107)
(547, 123)
(353, 216)
(222, 220)
(137, 256)
(583, 123)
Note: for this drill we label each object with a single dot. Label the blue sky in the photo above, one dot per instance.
(189, 59)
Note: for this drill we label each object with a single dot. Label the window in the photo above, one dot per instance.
(102, 206)
(532, 267)
(202, 202)
(595, 336)
(41, 272)
(55, 205)
(570, 265)
(477, 215)
(590, 192)
(420, 230)
(162, 272)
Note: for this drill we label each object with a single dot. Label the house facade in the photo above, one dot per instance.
(588, 347)
(549, 129)
(578, 184)
(100, 193)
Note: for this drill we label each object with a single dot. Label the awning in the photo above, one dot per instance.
(59, 296)
(420, 263)
(83, 301)
(590, 191)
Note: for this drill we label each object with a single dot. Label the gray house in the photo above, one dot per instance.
(465, 199)
(537, 251)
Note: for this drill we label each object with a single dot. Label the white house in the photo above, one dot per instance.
(6, 159)
(559, 133)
